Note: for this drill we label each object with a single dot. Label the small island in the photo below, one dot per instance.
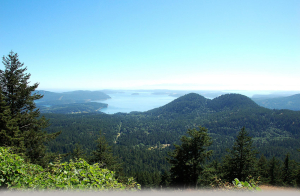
(135, 94)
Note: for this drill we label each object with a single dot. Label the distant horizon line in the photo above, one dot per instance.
(141, 89)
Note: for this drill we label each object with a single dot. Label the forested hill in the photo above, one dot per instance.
(291, 102)
(231, 102)
(182, 105)
(193, 102)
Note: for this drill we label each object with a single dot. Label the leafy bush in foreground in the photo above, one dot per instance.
(15, 173)
(250, 185)
(244, 185)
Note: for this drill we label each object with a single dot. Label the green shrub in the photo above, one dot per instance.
(244, 185)
(13, 169)
(250, 185)
(15, 173)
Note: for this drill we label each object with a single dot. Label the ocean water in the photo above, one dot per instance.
(128, 101)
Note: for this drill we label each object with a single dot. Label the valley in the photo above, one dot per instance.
(274, 132)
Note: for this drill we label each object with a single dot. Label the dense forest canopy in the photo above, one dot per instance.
(142, 140)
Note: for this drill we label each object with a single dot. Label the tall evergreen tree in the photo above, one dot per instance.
(104, 156)
(78, 152)
(187, 160)
(19, 96)
(287, 171)
(297, 174)
(241, 160)
(10, 135)
(262, 169)
(165, 179)
(274, 172)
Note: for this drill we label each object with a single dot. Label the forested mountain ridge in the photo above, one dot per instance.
(182, 105)
(231, 101)
(192, 101)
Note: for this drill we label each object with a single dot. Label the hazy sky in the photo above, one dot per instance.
(153, 44)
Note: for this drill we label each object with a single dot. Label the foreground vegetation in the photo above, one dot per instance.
(16, 174)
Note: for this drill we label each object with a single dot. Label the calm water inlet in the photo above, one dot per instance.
(134, 101)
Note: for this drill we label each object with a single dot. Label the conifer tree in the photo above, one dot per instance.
(165, 179)
(78, 152)
(10, 135)
(104, 156)
(297, 174)
(19, 96)
(187, 160)
(287, 171)
(241, 160)
(262, 169)
(274, 172)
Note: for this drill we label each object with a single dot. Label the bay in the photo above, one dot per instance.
(126, 102)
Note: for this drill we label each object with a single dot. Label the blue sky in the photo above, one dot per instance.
(153, 44)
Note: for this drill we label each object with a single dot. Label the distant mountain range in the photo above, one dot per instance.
(72, 96)
(71, 102)
(290, 102)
